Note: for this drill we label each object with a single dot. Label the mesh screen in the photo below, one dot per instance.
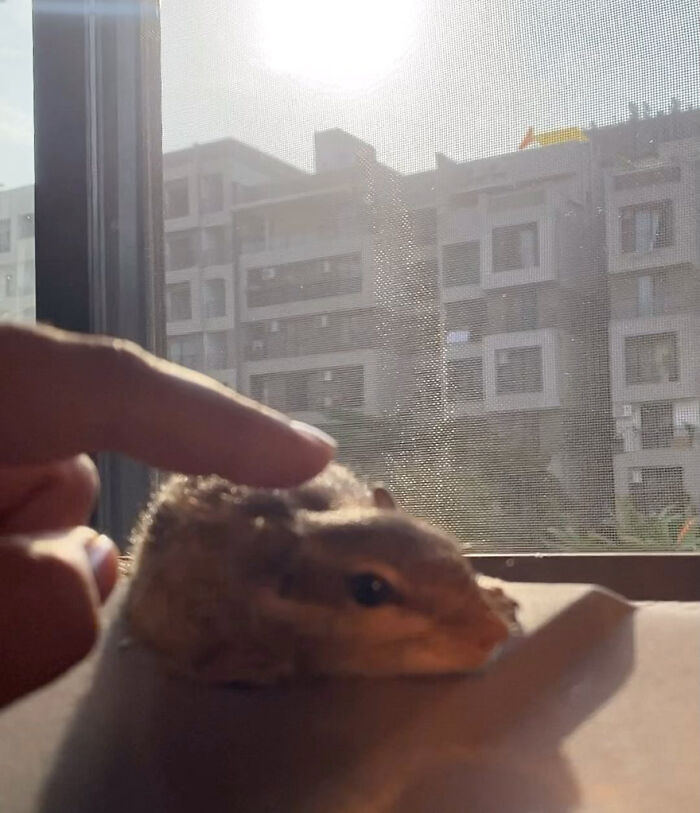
(462, 238)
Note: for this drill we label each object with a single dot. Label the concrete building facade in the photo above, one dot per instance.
(551, 296)
(17, 289)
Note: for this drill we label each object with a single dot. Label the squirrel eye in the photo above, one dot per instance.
(370, 590)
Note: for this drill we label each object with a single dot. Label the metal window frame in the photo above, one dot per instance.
(98, 192)
(99, 243)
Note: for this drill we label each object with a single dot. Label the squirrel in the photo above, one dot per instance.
(233, 584)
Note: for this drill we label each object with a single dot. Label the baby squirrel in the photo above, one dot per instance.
(238, 584)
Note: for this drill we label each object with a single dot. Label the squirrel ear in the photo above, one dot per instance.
(383, 498)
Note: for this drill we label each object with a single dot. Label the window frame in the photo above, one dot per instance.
(98, 193)
(94, 168)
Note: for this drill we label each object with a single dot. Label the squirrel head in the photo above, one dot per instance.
(331, 578)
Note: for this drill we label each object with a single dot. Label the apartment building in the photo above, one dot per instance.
(200, 187)
(308, 282)
(17, 293)
(653, 243)
(524, 311)
(549, 296)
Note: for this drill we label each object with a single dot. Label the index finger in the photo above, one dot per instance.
(66, 393)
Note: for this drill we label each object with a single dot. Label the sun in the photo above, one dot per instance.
(347, 44)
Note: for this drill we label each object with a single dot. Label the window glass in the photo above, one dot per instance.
(180, 250)
(216, 350)
(211, 193)
(215, 246)
(17, 290)
(461, 263)
(213, 298)
(176, 199)
(518, 370)
(647, 226)
(178, 301)
(460, 237)
(465, 380)
(651, 359)
(515, 247)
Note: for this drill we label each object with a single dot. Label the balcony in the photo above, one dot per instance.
(519, 252)
(280, 294)
(521, 371)
(663, 369)
(651, 219)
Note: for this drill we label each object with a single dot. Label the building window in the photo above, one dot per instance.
(180, 251)
(650, 295)
(215, 246)
(178, 302)
(216, 350)
(515, 247)
(518, 370)
(657, 425)
(651, 359)
(211, 193)
(26, 226)
(465, 321)
(187, 350)
(310, 390)
(465, 380)
(646, 227)
(461, 263)
(251, 233)
(214, 298)
(176, 198)
(5, 235)
(300, 281)
(655, 488)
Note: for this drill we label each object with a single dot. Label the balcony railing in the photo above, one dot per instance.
(279, 295)
(306, 238)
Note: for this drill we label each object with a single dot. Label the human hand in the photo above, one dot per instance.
(64, 395)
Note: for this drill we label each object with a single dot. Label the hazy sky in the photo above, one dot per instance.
(463, 77)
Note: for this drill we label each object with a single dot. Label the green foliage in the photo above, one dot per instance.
(633, 530)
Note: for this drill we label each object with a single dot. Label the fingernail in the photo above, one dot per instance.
(98, 549)
(102, 555)
(314, 433)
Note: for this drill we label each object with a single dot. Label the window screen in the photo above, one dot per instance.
(462, 238)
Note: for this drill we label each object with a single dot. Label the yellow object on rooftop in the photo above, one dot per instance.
(552, 137)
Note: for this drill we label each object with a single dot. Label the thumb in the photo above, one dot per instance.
(51, 586)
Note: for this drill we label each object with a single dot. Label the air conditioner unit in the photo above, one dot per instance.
(269, 273)
(635, 477)
(622, 411)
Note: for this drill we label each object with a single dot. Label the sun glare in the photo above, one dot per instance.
(348, 44)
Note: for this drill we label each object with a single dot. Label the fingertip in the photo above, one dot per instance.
(316, 435)
(299, 452)
(104, 561)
